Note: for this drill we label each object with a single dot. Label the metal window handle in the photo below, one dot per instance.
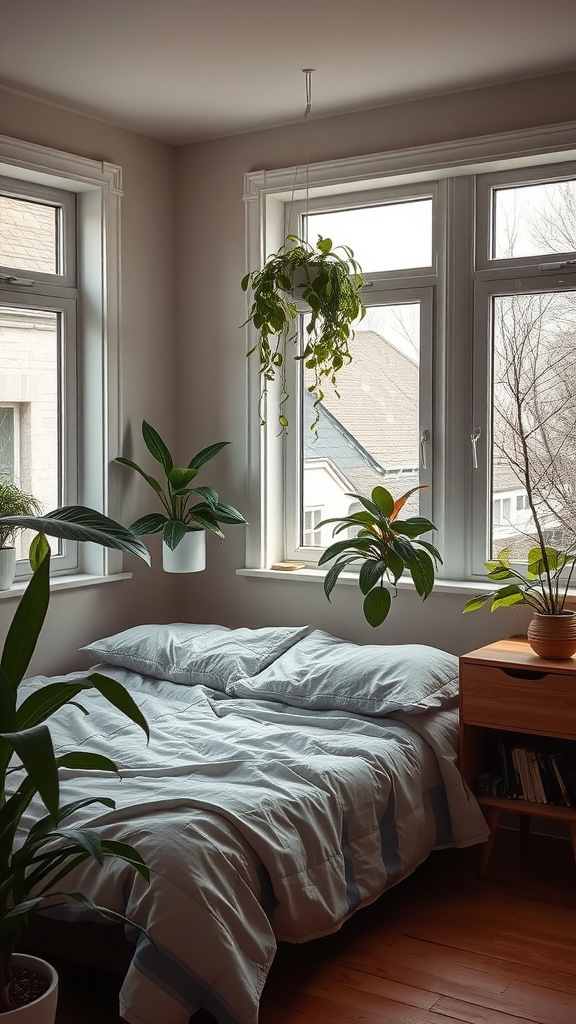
(424, 438)
(475, 437)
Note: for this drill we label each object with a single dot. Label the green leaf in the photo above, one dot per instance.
(371, 573)
(207, 493)
(340, 546)
(39, 548)
(478, 602)
(134, 465)
(228, 514)
(26, 625)
(508, 596)
(77, 522)
(384, 500)
(395, 563)
(205, 518)
(174, 531)
(35, 750)
(206, 454)
(412, 527)
(156, 447)
(421, 569)
(119, 697)
(333, 573)
(42, 703)
(377, 605)
(146, 525)
(181, 477)
(87, 762)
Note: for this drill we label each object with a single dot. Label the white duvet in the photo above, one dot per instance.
(260, 822)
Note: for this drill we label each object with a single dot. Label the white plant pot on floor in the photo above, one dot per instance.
(42, 1010)
(188, 556)
(7, 567)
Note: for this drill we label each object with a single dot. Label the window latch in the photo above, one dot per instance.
(424, 438)
(11, 279)
(557, 266)
(475, 437)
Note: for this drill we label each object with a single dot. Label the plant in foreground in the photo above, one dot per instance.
(386, 546)
(33, 862)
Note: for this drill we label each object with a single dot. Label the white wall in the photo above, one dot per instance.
(211, 347)
(147, 354)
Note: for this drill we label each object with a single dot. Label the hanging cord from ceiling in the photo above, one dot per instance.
(304, 147)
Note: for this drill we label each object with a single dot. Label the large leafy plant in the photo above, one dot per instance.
(328, 280)
(543, 584)
(386, 546)
(179, 516)
(34, 862)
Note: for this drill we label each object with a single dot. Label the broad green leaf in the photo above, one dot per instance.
(206, 454)
(371, 573)
(357, 545)
(35, 750)
(26, 625)
(173, 533)
(42, 703)
(371, 506)
(508, 596)
(421, 569)
(205, 518)
(383, 500)
(181, 477)
(146, 525)
(333, 573)
(156, 447)
(86, 761)
(119, 697)
(412, 527)
(376, 606)
(39, 548)
(76, 522)
(477, 602)
(207, 493)
(395, 563)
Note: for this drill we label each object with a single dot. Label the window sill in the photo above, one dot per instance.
(310, 575)
(72, 582)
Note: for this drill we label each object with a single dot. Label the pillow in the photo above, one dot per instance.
(329, 674)
(190, 654)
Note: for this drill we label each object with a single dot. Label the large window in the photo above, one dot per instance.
(59, 219)
(466, 357)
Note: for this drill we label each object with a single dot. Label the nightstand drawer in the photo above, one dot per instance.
(523, 700)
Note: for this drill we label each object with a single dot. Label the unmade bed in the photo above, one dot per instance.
(290, 779)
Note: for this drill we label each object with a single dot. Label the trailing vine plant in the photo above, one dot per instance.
(327, 278)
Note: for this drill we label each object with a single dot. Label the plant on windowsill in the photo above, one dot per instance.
(183, 526)
(328, 280)
(13, 502)
(386, 546)
(33, 861)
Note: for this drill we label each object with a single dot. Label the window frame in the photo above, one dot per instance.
(95, 187)
(455, 167)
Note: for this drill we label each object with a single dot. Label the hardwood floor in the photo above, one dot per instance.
(443, 947)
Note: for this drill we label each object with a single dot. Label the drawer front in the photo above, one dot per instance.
(518, 699)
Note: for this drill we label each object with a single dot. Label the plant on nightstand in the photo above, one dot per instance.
(34, 860)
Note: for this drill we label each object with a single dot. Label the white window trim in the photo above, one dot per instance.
(98, 186)
(266, 194)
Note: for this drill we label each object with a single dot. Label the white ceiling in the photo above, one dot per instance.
(186, 70)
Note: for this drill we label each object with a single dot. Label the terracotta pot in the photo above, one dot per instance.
(188, 556)
(7, 567)
(42, 1010)
(553, 636)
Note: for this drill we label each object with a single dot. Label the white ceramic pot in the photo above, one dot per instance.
(188, 556)
(42, 1010)
(7, 567)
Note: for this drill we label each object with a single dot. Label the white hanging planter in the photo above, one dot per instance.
(42, 1010)
(7, 567)
(188, 556)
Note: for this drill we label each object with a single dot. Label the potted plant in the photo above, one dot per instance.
(386, 546)
(13, 502)
(182, 525)
(328, 279)
(543, 585)
(35, 861)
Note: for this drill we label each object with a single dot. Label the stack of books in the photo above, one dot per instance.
(531, 768)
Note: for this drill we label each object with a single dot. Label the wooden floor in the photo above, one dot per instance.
(443, 947)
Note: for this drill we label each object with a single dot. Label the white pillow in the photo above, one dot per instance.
(190, 654)
(329, 674)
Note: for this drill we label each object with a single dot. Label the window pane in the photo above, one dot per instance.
(28, 235)
(370, 435)
(394, 236)
(30, 357)
(534, 397)
(7, 443)
(533, 220)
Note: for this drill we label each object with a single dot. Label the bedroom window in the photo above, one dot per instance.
(469, 255)
(58, 336)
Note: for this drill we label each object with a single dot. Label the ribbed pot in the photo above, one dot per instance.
(553, 636)
(188, 556)
(42, 1010)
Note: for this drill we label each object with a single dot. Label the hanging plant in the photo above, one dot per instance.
(327, 279)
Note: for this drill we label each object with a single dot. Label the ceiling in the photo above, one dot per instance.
(187, 70)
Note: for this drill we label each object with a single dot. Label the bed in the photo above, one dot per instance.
(290, 779)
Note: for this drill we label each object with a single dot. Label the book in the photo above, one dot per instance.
(525, 774)
(536, 778)
(566, 798)
(565, 761)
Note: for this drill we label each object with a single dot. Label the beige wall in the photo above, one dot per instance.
(147, 354)
(211, 347)
(194, 390)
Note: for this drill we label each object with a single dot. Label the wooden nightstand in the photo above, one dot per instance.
(506, 688)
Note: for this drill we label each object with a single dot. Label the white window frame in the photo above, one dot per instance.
(96, 189)
(458, 376)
